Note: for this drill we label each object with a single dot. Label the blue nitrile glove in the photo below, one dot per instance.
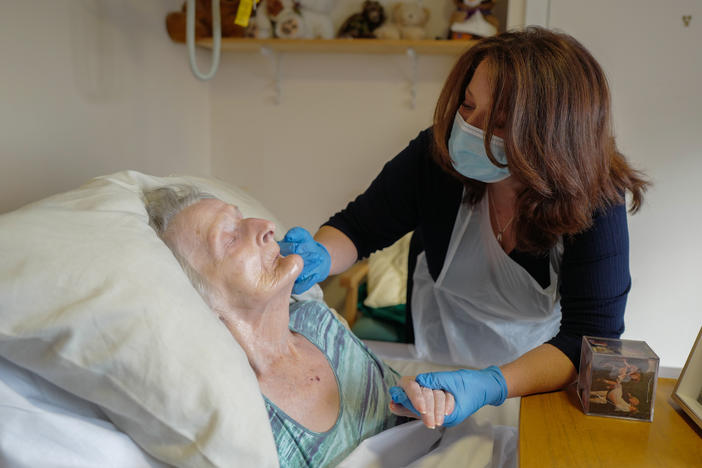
(472, 389)
(399, 396)
(317, 261)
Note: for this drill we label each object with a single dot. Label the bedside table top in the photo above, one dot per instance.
(554, 432)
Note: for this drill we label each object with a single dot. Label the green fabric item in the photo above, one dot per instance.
(368, 328)
(380, 323)
(364, 382)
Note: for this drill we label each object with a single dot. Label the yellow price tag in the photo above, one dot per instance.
(243, 13)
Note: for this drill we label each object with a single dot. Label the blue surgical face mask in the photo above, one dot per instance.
(467, 150)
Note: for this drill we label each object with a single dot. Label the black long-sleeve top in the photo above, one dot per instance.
(413, 193)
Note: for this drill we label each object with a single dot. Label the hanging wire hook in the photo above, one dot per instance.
(413, 77)
(275, 61)
(216, 37)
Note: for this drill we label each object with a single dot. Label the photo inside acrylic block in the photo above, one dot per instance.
(617, 378)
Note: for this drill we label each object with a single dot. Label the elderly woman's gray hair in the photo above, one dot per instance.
(162, 204)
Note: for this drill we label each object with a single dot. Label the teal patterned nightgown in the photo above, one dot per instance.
(363, 381)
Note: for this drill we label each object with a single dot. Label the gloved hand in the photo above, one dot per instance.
(317, 261)
(400, 397)
(472, 389)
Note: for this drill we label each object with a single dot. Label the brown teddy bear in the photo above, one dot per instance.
(175, 21)
(363, 24)
(407, 21)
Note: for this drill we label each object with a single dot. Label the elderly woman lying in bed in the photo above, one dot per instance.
(324, 390)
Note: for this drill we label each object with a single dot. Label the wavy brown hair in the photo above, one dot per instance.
(551, 98)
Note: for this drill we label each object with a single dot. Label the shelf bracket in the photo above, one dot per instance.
(412, 54)
(274, 58)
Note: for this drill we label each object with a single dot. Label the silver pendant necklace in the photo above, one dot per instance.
(500, 230)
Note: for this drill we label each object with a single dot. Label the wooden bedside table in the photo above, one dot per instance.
(554, 432)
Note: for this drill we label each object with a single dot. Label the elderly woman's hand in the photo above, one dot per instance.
(412, 400)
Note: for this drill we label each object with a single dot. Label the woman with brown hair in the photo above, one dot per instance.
(516, 196)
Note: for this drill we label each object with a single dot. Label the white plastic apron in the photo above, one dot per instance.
(484, 308)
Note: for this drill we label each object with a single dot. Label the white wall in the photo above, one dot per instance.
(89, 87)
(654, 69)
(340, 118)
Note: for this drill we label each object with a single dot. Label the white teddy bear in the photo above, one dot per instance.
(294, 19)
(317, 19)
(278, 18)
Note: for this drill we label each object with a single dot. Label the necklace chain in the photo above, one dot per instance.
(500, 230)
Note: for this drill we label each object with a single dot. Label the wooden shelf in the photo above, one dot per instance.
(343, 46)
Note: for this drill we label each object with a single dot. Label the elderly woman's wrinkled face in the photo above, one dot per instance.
(238, 256)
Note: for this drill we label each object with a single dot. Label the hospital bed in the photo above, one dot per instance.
(108, 356)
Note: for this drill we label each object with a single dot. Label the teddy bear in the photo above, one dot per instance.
(317, 19)
(473, 19)
(363, 24)
(407, 21)
(175, 21)
(279, 18)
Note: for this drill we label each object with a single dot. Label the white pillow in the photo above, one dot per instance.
(41, 424)
(387, 275)
(94, 302)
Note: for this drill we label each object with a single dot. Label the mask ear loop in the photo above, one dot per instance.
(413, 84)
(216, 37)
(497, 141)
(501, 141)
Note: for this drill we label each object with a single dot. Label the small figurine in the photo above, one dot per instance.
(175, 21)
(363, 24)
(279, 18)
(406, 21)
(473, 20)
(316, 15)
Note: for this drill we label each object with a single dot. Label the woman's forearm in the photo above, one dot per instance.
(543, 369)
(342, 251)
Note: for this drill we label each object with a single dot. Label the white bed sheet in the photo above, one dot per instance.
(412, 445)
(489, 438)
(43, 425)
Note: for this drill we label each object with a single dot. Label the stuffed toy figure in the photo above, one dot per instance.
(407, 21)
(175, 21)
(317, 19)
(279, 18)
(473, 19)
(362, 25)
